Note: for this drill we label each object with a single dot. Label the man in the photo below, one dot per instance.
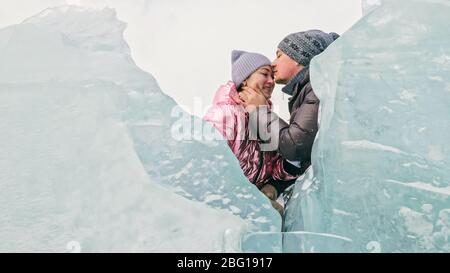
(293, 140)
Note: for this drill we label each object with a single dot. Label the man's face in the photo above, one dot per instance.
(285, 68)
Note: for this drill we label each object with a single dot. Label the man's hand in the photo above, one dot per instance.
(252, 98)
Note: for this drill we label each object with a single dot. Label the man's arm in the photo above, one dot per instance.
(293, 141)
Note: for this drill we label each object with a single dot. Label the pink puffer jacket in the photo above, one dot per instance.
(231, 120)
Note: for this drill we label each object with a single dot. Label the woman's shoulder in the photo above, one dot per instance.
(224, 93)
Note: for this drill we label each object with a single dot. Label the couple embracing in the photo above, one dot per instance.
(272, 153)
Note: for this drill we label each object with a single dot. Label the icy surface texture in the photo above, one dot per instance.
(381, 160)
(87, 157)
(369, 5)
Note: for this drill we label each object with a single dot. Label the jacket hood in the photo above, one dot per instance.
(224, 93)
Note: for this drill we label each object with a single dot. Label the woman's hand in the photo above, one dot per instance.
(252, 98)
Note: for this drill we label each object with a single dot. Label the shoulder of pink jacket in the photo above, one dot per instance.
(224, 93)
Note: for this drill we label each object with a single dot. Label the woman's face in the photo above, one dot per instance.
(262, 80)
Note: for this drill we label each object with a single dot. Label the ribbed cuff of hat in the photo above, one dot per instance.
(243, 64)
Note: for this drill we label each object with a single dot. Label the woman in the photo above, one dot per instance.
(266, 169)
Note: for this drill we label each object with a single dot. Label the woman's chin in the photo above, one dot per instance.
(267, 94)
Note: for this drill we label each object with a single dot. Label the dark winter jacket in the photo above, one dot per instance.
(294, 140)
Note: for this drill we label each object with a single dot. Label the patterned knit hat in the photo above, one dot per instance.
(303, 46)
(243, 64)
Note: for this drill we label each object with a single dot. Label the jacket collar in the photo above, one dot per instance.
(223, 95)
(302, 77)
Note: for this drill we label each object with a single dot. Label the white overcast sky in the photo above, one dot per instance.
(186, 44)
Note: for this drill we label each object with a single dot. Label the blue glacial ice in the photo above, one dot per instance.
(369, 5)
(381, 160)
(89, 157)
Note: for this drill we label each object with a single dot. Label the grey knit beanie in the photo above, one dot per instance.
(243, 64)
(303, 46)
